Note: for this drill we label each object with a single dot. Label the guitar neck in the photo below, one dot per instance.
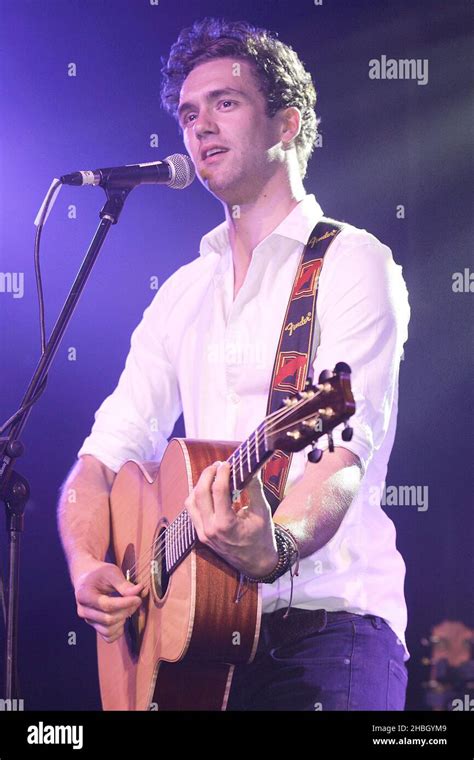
(248, 458)
(244, 462)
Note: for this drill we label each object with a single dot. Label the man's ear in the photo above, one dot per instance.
(290, 125)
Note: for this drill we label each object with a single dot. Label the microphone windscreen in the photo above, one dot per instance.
(182, 170)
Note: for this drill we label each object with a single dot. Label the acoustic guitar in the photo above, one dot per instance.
(195, 624)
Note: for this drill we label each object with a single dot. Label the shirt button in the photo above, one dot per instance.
(234, 397)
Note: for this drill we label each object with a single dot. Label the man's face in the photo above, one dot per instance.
(220, 106)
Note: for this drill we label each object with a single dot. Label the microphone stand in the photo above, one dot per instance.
(14, 488)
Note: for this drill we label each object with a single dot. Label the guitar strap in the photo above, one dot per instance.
(299, 340)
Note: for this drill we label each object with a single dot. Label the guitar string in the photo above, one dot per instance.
(180, 532)
(273, 417)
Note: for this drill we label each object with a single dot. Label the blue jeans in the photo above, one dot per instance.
(322, 661)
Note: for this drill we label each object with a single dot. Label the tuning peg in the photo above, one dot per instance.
(347, 432)
(342, 367)
(294, 434)
(14, 449)
(325, 375)
(315, 455)
(309, 389)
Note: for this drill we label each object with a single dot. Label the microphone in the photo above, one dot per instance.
(176, 171)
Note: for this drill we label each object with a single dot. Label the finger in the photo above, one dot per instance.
(109, 604)
(107, 581)
(91, 615)
(110, 637)
(128, 588)
(221, 493)
(118, 583)
(258, 500)
(110, 631)
(195, 516)
(203, 497)
(113, 604)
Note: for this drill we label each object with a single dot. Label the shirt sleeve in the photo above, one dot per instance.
(363, 316)
(135, 421)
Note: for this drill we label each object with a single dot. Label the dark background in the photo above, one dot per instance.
(385, 143)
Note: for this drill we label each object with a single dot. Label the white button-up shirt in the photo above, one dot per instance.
(200, 352)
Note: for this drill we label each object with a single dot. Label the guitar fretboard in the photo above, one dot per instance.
(245, 461)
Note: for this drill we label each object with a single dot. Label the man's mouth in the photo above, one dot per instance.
(210, 155)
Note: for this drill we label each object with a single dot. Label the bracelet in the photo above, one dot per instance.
(288, 555)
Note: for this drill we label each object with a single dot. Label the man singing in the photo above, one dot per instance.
(206, 347)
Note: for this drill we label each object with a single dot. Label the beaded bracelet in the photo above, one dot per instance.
(288, 556)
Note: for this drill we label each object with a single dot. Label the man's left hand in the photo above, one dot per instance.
(245, 537)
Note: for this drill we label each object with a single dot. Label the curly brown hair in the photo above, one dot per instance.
(282, 78)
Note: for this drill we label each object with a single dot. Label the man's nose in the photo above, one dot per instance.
(204, 123)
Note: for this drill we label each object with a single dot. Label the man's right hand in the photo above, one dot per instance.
(98, 604)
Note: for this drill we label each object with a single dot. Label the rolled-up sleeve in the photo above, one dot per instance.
(136, 420)
(363, 315)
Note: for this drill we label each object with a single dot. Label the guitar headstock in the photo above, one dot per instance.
(313, 412)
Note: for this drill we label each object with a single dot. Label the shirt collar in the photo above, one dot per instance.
(297, 226)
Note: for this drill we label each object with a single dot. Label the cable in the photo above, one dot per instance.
(39, 289)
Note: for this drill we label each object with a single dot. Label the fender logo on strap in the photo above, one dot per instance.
(306, 282)
(274, 471)
(290, 372)
(313, 240)
(292, 326)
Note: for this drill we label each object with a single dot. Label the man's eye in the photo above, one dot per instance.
(190, 117)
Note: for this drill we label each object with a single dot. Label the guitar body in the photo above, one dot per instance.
(179, 650)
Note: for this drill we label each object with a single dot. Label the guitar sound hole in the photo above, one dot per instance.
(159, 575)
